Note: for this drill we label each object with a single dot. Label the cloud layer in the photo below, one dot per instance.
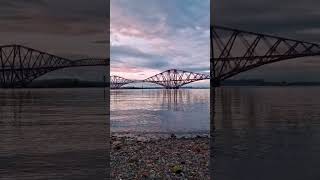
(150, 36)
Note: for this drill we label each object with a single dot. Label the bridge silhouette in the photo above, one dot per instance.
(20, 65)
(169, 79)
(232, 51)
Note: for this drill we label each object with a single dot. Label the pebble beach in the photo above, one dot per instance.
(162, 158)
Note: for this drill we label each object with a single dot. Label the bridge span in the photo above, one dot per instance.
(169, 79)
(20, 65)
(233, 51)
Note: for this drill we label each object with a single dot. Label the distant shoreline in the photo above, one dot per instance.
(76, 83)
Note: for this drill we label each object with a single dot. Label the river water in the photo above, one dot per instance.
(261, 132)
(160, 112)
(266, 133)
(53, 134)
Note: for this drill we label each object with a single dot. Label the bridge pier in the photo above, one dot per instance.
(172, 87)
(215, 83)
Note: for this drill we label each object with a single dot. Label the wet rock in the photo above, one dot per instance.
(173, 136)
(145, 174)
(177, 169)
(167, 158)
(152, 174)
(116, 145)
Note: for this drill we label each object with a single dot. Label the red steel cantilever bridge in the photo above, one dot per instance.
(169, 79)
(234, 51)
(20, 65)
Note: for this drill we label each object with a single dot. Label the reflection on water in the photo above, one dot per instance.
(266, 133)
(52, 133)
(160, 111)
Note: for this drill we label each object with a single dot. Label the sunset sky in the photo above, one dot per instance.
(150, 36)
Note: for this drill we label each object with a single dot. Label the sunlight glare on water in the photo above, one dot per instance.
(181, 111)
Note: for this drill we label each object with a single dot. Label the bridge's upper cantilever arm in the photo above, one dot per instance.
(234, 51)
(260, 34)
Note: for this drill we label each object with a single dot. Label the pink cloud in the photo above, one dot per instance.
(164, 42)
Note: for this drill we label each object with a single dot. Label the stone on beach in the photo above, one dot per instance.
(170, 158)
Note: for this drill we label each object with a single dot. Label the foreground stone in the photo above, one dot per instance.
(170, 158)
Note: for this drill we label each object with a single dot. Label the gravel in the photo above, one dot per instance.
(166, 158)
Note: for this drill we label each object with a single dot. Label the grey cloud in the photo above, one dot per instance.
(121, 53)
(198, 69)
(156, 64)
(178, 14)
(21, 3)
(183, 24)
(131, 52)
(62, 17)
(270, 16)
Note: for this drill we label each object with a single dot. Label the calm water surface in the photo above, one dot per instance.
(160, 111)
(53, 134)
(261, 132)
(267, 133)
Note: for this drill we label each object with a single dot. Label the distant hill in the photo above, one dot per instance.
(261, 82)
(74, 83)
(64, 83)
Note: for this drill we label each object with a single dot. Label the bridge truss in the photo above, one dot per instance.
(117, 82)
(174, 79)
(20, 65)
(234, 51)
(169, 79)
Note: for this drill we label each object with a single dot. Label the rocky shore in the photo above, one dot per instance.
(166, 158)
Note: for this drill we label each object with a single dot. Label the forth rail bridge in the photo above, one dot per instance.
(232, 51)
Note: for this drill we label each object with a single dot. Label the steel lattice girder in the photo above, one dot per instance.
(174, 79)
(170, 79)
(234, 51)
(20, 65)
(117, 82)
